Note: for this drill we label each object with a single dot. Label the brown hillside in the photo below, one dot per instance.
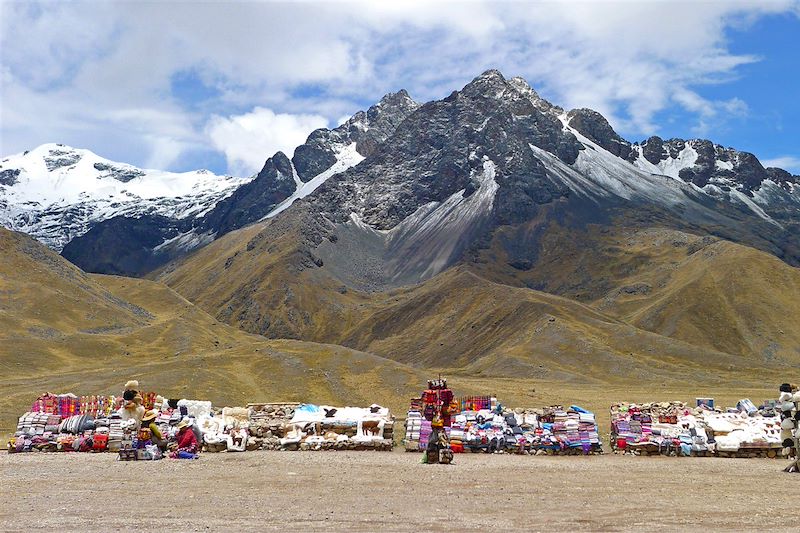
(63, 330)
(726, 297)
(711, 293)
(263, 279)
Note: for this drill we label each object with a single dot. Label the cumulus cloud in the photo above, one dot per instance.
(244, 139)
(786, 162)
(70, 67)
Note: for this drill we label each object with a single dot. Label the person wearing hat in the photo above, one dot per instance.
(149, 422)
(186, 446)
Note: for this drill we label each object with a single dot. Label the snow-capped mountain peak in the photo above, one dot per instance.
(55, 192)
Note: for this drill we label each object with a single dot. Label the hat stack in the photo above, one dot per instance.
(788, 405)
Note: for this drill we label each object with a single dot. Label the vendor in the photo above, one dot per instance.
(149, 421)
(186, 446)
(438, 450)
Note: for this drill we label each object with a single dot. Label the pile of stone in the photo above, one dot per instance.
(269, 423)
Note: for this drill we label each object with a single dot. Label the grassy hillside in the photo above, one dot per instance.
(726, 297)
(260, 279)
(711, 293)
(62, 330)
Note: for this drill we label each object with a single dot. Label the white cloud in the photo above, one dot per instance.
(100, 74)
(245, 139)
(786, 162)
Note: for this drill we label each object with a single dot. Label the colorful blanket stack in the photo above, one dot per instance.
(549, 430)
(115, 434)
(573, 428)
(98, 405)
(425, 431)
(57, 404)
(68, 405)
(477, 403)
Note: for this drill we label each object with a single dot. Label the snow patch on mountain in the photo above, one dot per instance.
(599, 172)
(346, 156)
(186, 241)
(671, 166)
(744, 199)
(428, 241)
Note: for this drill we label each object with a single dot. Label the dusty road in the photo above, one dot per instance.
(371, 491)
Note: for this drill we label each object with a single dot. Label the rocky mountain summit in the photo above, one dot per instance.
(283, 180)
(497, 155)
(410, 189)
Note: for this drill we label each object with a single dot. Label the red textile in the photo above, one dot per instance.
(187, 441)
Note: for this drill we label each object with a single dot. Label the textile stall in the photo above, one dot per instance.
(482, 424)
(788, 404)
(674, 428)
(95, 423)
(667, 428)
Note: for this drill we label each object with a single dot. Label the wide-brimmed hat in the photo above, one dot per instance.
(149, 415)
(183, 424)
(132, 385)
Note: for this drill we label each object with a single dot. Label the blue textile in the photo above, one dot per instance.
(187, 455)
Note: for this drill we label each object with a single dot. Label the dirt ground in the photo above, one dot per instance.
(373, 491)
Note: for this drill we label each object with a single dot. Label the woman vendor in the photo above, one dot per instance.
(186, 447)
(149, 421)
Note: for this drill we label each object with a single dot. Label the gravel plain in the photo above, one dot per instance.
(374, 491)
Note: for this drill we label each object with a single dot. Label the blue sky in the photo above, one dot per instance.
(184, 85)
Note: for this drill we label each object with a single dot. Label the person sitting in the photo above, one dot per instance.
(186, 446)
(149, 422)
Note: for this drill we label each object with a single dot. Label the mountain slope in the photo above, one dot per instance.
(148, 242)
(64, 330)
(500, 182)
(266, 279)
(725, 297)
(522, 154)
(495, 155)
(709, 292)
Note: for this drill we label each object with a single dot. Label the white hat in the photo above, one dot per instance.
(787, 423)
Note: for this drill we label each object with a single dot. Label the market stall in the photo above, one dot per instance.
(65, 422)
(674, 428)
(482, 424)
